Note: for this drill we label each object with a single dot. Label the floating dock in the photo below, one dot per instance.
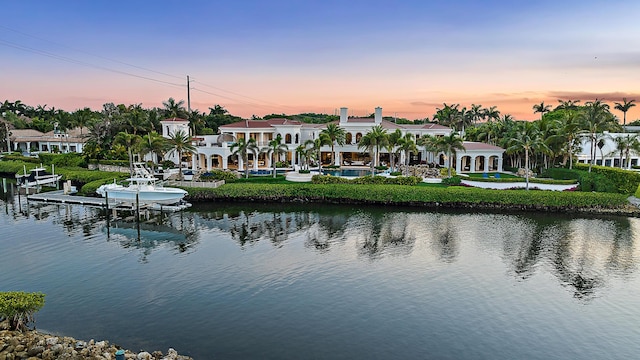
(60, 197)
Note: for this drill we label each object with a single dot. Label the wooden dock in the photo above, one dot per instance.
(60, 197)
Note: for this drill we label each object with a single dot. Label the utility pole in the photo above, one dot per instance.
(188, 96)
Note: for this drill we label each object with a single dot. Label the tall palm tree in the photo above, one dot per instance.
(596, 119)
(180, 142)
(450, 145)
(336, 135)
(131, 143)
(407, 144)
(136, 118)
(567, 104)
(243, 148)
(275, 148)
(174, 109)
(476, 113)
(491, 113)
(624, 107)
(541, 108)
(569, 133)
(526, 139)
(373, 141)
(449, 115)
(392, 146)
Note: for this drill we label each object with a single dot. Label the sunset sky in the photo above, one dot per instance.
(293, 56)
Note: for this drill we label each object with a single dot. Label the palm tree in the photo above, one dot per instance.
(336, 135)
(450, 144)
(449, 115)
(373, 141)
(476, 114)
(569, 133)
(407, 145)
(304, 155)
(596, 118)
(315, 147)
(567, 105)
(527, 138)
(392, 145)
(243, 148)
(154, 143)
(136, 118)
(180, 142)
(131, 143)
(541, 108)
(275, 148)
(624, 107)
(174, 109)
(491, 113)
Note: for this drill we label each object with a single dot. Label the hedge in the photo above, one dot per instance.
(458, 197)
(623, 181)
(366, 180)
(531, 180)
(216, 175)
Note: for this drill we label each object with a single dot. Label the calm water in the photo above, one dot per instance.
(320, 282)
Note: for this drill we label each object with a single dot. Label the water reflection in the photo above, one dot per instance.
(582, 253)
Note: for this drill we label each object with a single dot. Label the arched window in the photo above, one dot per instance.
(348, 138)
(358, 137)
(287, 139)
(297, 139)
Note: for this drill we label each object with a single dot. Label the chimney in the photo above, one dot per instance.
(343, 115)
(378, 116)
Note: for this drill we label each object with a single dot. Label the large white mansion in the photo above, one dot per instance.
(214, 151)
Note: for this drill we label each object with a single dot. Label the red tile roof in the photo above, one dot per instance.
(471, 145)
(260, 124)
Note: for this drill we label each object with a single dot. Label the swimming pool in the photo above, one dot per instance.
(347, 172)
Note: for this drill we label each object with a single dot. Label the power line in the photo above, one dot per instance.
(92, 54)
(78, 62)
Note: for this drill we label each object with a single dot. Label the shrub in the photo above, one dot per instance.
(454, 180)
(332, 167)
(167, 164)
(381, 167)
(216, 175)
(282, 164)
(19, 308)
(304, 171)
(561, 174)
(69, 159)
(637, 194)
(445, 171)
(396, 173)
(366, 180)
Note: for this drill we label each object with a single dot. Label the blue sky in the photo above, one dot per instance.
(260, 57)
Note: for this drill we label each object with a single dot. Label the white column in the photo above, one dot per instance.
(336, 157)
(458, 163)
(225, 162)
(486, 163)
(500, 163)
(208, 162)
(240, 163)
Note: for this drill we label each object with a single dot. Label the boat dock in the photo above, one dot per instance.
(60, 197)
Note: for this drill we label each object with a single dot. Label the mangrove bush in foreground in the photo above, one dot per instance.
(19, 308)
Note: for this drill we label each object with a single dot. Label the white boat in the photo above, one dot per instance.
(37, 177)
(145, 187)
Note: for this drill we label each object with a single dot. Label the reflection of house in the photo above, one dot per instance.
(213, 151)
(27, 140)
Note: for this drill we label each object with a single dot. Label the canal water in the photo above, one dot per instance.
(258, 281)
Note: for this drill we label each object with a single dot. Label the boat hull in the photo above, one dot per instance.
(144, 196)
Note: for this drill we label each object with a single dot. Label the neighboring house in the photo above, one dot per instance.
(214, 151)
(29, 140)
(606, 152)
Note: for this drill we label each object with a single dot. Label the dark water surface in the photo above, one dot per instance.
(325, 282)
